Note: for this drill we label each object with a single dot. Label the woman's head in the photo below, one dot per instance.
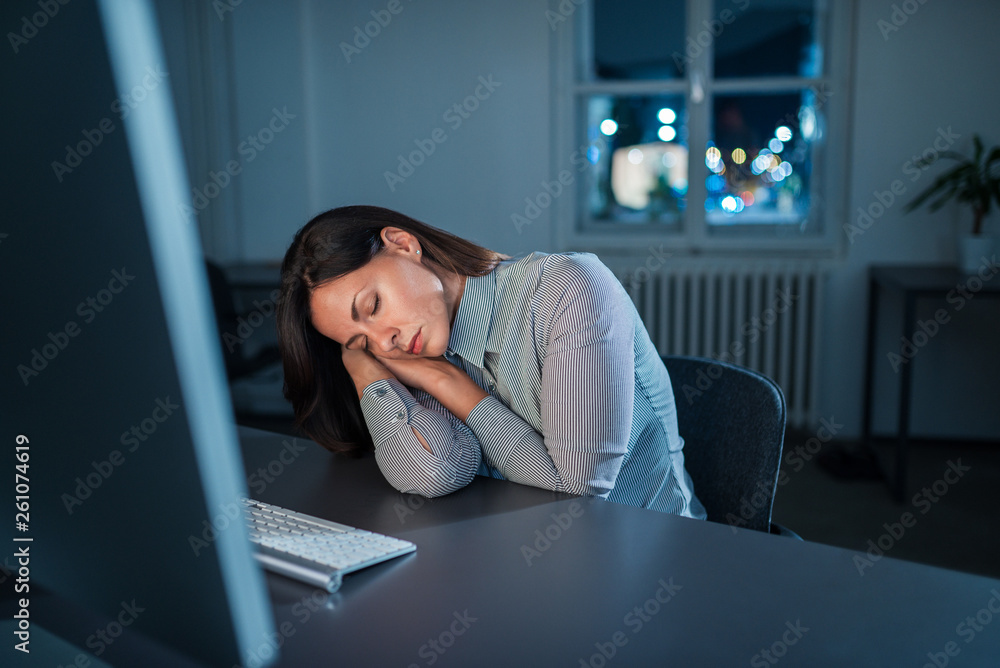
(397, 305)
(370, 278)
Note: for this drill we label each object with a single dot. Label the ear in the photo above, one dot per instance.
(399, 240)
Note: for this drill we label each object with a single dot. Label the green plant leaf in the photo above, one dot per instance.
(974, 182)
(952, 179)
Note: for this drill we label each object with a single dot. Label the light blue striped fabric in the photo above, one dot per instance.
(580, 401)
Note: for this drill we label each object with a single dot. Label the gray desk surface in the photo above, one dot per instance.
(594, 587)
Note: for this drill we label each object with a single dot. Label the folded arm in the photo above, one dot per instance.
(586, 332)
(419, 445)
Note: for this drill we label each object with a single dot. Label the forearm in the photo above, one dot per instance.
(519, 453)
(452, 387)
(447, 456)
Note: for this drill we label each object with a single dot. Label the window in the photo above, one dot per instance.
(712, 124)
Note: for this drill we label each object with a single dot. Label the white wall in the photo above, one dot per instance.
(935, 72)
(354, 118)
(399, 89)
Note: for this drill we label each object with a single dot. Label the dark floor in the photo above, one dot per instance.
(957, 529)
(960, 529)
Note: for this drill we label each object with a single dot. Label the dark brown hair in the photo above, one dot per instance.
(329, 246)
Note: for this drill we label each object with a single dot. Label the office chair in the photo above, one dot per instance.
(238, 363)
(732, 421)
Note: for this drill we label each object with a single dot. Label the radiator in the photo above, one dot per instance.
(764, 316)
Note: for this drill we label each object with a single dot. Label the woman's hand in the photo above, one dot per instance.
(364, 368)
(421, 373)
(441, 379)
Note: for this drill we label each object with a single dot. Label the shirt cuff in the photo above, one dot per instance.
(386, 404)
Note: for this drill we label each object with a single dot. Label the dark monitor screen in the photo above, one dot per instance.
(114, 405)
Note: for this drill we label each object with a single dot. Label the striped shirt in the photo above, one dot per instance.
(580, 401)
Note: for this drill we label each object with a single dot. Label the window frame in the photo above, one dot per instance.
(571, 56)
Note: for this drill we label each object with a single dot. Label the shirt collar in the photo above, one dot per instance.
(473, 321)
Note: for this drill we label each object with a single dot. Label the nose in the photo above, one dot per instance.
(385, 338)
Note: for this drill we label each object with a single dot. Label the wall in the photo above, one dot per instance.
(365, 83)
(357, 111)
(913, 86)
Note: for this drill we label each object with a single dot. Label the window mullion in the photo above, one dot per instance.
(699, 104)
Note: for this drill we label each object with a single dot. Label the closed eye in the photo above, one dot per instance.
(378, 302)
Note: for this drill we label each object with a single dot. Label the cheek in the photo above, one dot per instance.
(422, 295)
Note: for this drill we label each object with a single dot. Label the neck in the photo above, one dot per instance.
(454, 289)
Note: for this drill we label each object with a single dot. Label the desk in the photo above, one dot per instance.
(507, 575)
(735, 592)
(912, 283)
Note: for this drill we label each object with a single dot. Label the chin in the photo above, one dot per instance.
(433, 350)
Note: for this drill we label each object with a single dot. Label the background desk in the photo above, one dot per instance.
(910, 283)
(740, 591)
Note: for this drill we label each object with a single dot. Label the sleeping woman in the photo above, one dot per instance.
(450, 360)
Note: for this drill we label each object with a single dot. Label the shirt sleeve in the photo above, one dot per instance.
(585, 332)
(392, 413)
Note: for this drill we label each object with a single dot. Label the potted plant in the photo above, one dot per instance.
(974, 182)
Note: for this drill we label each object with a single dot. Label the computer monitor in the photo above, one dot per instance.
(119, 440)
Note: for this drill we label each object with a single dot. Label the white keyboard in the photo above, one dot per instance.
(313, 550)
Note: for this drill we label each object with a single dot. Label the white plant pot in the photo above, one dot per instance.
(973, 252)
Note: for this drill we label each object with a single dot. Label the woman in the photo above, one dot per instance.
(449, 359)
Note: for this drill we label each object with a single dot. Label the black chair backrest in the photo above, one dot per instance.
(732, 421)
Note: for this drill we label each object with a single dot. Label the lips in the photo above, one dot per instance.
(417, 344)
